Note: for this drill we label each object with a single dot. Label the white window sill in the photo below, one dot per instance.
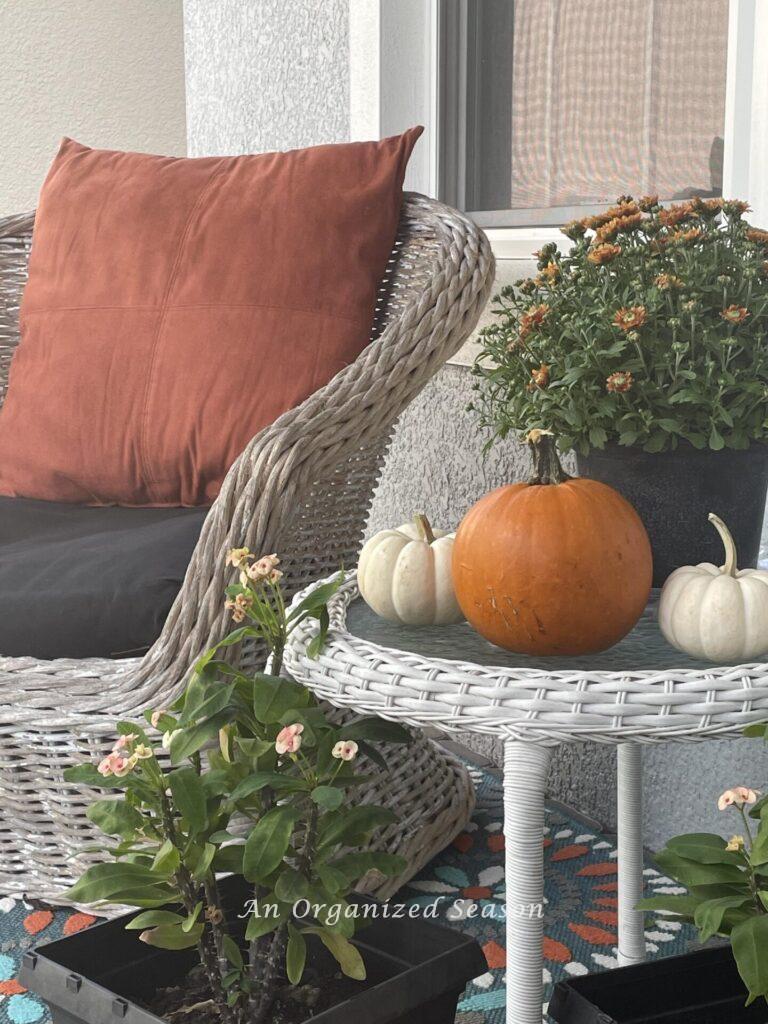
(521, 243)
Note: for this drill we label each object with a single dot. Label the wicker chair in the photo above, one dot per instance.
(302, 487)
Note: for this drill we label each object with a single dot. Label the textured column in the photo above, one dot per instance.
(525, 779)
(629, 825)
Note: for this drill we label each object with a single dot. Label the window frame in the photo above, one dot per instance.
(398, 49)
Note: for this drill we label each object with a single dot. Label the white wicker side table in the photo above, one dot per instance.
(641, 691)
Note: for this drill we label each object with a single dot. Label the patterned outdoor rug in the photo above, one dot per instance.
(580, 914)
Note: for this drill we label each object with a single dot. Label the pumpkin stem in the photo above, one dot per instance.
(729, 544)
(546, 462)
(424, 527)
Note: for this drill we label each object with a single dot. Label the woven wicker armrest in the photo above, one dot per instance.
(302, 488)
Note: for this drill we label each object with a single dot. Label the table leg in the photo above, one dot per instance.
(525, 779)
(629, 826)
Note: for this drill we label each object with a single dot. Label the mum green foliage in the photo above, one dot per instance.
(650, 331)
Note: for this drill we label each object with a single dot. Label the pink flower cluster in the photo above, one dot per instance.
(288, 739)
(739, 796)
(124, 757)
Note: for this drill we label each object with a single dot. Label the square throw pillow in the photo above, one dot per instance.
(175, 306)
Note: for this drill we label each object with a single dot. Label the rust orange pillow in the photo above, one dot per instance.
(176, 306)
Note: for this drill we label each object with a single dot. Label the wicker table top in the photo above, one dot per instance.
(450, 677)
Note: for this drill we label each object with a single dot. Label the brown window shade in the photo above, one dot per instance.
(570, 103)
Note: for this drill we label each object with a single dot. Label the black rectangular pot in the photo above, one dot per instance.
(703, 987)
(416, 971)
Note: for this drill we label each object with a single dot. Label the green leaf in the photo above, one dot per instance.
(690, 873)
(188, 797)
(353, 825)
(757, 729)
(153, 917)
(169, 936)
(115, 817)
(333, 880)
(355, 865)
(232, 952)
(167, 858)
(275, 695)
(328, 797)
(211, 705)
(190, 741)
(373, 755)
(87, 775)
(685, 906)
(254, 748)
(268, 843)
(704, 847)
(317, 598)
(291, 886)
(191, 919)
(597, 437)
(716, 442)
(346, 955)
(278, 781)
(203, 861)
(749, 941)
(379, 730)
(317, 643)
(758, 855)
(229, 859)
(262, 924)
(295, 955)
(709, 915)
(102, 881)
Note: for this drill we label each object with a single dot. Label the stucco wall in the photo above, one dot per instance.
(108, 73)
(266, 75)
(275, 76)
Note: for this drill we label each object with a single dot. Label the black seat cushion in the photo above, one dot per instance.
(80, 582)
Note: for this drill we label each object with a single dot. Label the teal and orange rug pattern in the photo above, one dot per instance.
(579, 900)
(579, 924)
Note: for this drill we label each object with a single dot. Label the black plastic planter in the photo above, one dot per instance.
(416, 972)
(697, 988)
(674, 491)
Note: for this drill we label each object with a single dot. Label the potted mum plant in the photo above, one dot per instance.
(245, 777)
(644, 350)
(727, 883)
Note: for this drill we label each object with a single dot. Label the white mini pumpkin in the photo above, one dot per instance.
(404, 575)
(719, 614)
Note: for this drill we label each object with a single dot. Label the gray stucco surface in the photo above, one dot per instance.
(265, 76)
(270, 75)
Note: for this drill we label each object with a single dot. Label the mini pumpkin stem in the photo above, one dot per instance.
(424, 527)
(547, 468)
(730, 566)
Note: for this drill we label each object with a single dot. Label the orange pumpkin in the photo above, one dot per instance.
(557, 565)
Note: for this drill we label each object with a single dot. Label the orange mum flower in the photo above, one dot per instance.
(549, 275)
(735, 207)
(622, 380)
(532, 319)
(623, 208)
(604, 252)
(608, 230)
(758, 236)
(629, 317)
(647, 202)
(667, 282)
(672, 215)
(735, 314)
(691, 235)
(539, 378)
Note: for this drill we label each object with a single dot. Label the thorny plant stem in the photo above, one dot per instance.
(205, 946)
